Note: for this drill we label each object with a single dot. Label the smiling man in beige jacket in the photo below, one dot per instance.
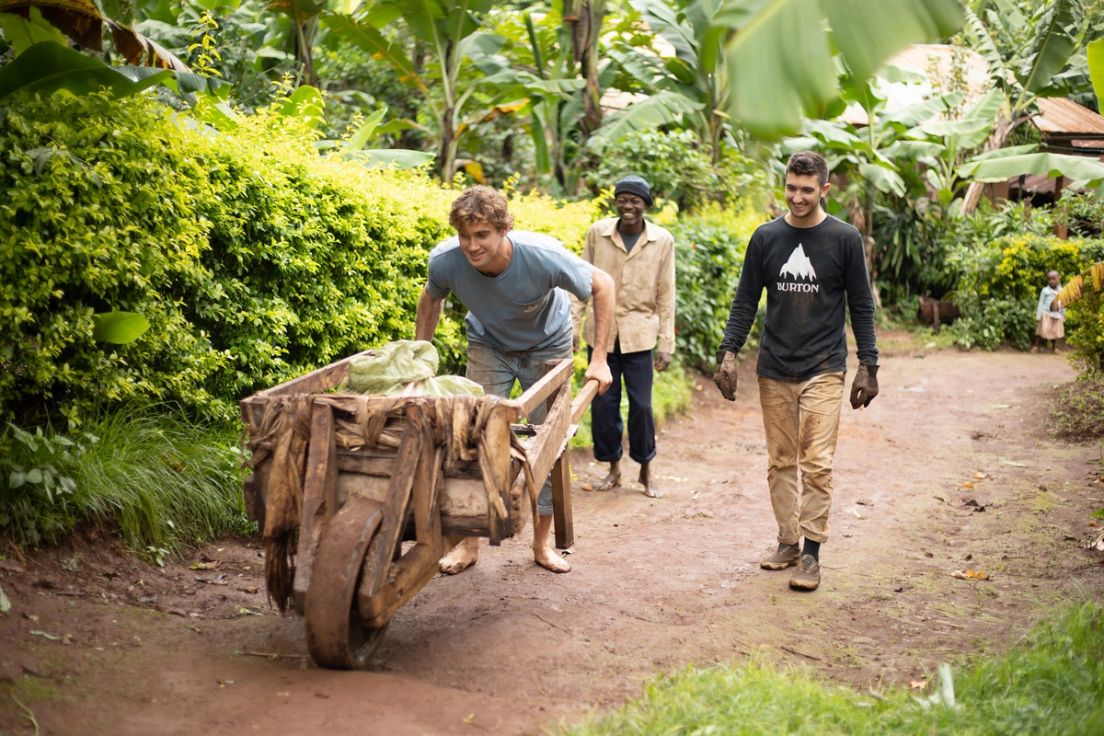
(640, 256)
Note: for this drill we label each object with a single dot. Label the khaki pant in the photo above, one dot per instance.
(801, 421)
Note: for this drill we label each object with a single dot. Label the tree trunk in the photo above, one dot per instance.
(446, 150)
(304, 51)
(585, 24)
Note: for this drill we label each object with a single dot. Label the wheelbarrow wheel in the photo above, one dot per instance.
(336, 635)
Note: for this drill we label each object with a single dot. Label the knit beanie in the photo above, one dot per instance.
(635, 185)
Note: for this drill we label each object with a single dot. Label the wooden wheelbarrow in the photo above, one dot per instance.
(382, 487)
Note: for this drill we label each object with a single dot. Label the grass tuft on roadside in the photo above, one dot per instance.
(1051, 682)
(157, 478)
(1077, 410)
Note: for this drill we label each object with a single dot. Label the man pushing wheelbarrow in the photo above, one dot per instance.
(515, 286)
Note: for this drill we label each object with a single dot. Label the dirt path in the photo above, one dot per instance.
(657, 585)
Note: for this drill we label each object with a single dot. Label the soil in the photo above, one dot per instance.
(951, 468)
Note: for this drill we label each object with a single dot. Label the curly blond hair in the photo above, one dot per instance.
(481, 204)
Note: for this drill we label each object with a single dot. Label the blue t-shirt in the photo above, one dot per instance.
(526, 306)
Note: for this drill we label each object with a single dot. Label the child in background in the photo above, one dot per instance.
(1050, 314)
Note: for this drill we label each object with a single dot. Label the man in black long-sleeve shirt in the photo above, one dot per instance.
(814, 269)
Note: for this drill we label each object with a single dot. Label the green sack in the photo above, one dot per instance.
(397, 364)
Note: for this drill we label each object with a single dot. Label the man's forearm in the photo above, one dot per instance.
(741, 317)
(429, 314)
(605, 303)
(745, 303)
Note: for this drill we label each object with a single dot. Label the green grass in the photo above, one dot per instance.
(159, 479)
(1051, 682)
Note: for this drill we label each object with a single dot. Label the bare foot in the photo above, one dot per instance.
(613, 480)
(543, 553)
(650, 489)
(463, 556)
(547, 558)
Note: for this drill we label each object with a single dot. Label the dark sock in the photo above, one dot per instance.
(811, 548)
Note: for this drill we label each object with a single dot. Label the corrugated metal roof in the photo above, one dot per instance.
(1059, 116)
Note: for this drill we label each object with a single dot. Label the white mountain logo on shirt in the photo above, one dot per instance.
(798, 266)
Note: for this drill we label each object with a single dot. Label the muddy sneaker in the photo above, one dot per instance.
(785, 556)
(807, 575)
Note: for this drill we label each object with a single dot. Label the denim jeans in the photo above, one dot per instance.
(496, 370)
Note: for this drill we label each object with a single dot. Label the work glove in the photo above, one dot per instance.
(725, 376)
(661, 361)
(865, 386)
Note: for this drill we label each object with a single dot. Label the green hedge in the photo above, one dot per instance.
(253, 258)
(1000, 283)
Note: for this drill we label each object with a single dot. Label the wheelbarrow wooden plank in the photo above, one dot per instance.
(542, 450)
(561, 503)
(316, 381)
(319, 498)
(539, 392)
(494, 460)
(383, 466)
(379, 556)
(407, 576)
(561, 475)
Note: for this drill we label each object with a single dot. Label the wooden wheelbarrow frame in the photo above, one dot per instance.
(352, 571)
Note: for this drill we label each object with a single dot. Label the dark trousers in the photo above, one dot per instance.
(605, 412)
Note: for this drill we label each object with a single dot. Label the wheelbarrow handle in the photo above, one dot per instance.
(583, 399)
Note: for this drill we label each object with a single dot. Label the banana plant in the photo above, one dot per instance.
(583, 22)
(356, 147)
(780, 53)
(304, 15)
(691, 87)
(468, 80)
(558, 120)
(47, 67)
(1058, 31)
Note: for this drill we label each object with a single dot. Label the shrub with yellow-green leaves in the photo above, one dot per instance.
(253, 258)
(1000, 283)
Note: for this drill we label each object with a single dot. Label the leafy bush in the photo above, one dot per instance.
(1000, 283)
(917, 242)
(911, 249)
(253, 258)
(709, 253)
(675, 168)
(160, 479)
